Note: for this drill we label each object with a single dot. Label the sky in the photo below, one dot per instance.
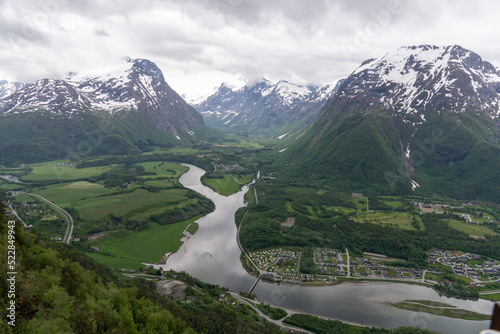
(198, 44)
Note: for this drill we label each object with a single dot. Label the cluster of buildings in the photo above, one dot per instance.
(377, 269)
(276, 260)
(329, 261)
(466, 264)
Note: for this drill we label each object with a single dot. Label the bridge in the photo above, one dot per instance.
(255, 283)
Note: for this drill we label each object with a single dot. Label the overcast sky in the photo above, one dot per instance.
(200, 43)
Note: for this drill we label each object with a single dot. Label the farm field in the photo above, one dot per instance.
(115, 262)
(225, 186)
(146, 246)
(471, 229)
(394, 218)
(163, 169)
(49, 171)
(122, 204)
(63, 194)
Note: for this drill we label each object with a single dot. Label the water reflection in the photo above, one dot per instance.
(213, 256)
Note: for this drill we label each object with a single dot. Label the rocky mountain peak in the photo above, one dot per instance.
(9, 87)
(147, 67)
(415, 80)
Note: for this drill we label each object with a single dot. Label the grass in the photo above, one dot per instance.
(11, 186)
(163, 169)
(430, 303)
(471, 229)
(63, 194)
(401, 220)
(193, 228)
(446, 312)
(274, 313)
(225, 186)
(141, 200)
(247, 178)
(115, 262)
(493, 296)
(159, 183)
(49, 171)
(146, 246)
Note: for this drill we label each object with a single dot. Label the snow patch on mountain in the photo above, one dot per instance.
(8, 87)
(413, 79)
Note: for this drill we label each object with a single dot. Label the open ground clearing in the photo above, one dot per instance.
(471, 229)
(225, 186)
(63, 194)
(146, 246)
(122, 204)
(49, 171)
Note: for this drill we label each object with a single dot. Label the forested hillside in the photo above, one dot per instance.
(60, 290)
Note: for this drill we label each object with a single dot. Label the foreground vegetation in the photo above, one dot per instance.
(60, 290)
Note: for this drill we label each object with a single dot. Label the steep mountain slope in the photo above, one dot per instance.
(131, 106)
(9, 87)
(432, 116)
(264, 106)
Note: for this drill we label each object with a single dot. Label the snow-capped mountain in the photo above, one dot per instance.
(124, 111)
(137, 86)
(8, 87)
(264, 105)
(421, 117)
(417, 80)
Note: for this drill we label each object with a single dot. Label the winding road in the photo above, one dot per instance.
(67, 216)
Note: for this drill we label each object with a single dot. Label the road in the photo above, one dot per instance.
(276, 322)
(67, 216)
(15, 213)
(348, 263)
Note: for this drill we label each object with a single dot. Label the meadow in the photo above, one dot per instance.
(64, 194)
(49, 171)
(115, 262)
(398, 219)
(163, 169)
(225, 186)
(121, 204)
(470, 229)
(146, 246)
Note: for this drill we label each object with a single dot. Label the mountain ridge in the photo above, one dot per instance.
(139, 108)
(264, 106)
(441, 134)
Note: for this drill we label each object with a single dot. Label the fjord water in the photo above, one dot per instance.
(213, 256)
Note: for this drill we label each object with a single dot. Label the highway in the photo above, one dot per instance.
(67, 216)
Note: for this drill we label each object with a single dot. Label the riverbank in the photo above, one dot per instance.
(213, 256)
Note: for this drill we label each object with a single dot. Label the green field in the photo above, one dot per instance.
(10, 186)
(49, 171)
(394, 218)
(146, 246)
(225, 186)
(63, 194)
(159, 183)
(138, 201)
(193, 228)
(163, 169)
(471, 229)
(493, 296)
(115, 262)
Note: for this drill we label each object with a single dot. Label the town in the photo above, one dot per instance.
(283, 265)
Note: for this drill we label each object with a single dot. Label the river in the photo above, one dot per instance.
(11, 178)
(213, 256)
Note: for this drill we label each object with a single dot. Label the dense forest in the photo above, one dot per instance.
(261, 227)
